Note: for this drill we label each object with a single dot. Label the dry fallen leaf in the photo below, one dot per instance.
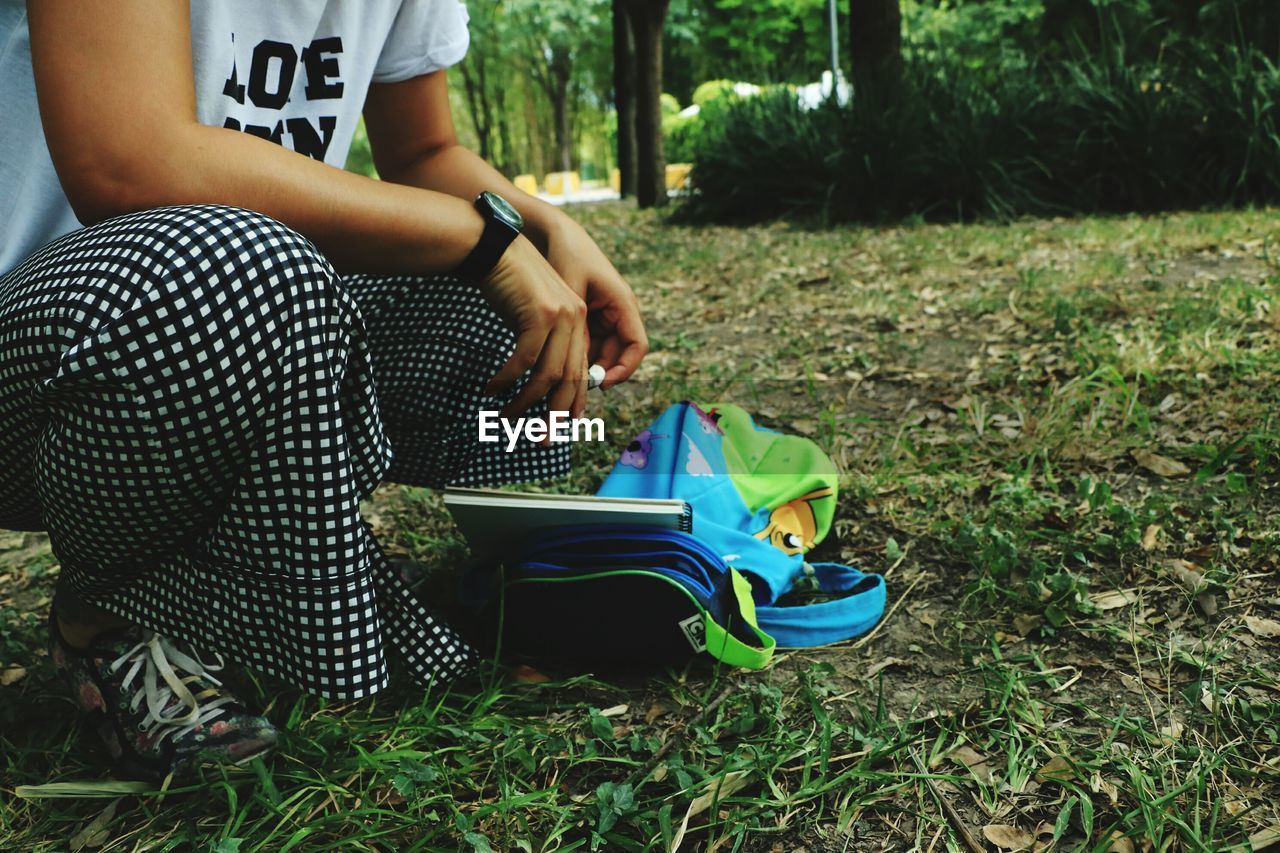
(1008, 837)
(615, 711)
(1057, 769)
(1188, 574)
(1101, 786)
(12, 675)
(95, 834)
(1265, 839)
(1160, 465)
(523, 674)
(1114, 599)
(714, 790)
(1257, 626)
(1149, 537)
(1025, 623)
(875, 668)
(1120, 844)
(1132, 683)
(974, 760)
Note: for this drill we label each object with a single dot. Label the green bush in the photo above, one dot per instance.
(712, 89)
(681, 137)
(1092, 135)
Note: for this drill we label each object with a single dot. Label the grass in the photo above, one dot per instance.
(1076, 656)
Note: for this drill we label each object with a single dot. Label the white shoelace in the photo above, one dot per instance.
(157, 659)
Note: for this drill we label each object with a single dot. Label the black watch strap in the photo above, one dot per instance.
(497, 236)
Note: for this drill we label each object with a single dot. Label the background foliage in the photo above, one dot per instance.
(1011, 107)
(1006, 107)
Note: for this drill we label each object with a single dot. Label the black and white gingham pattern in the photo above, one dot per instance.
(193, 405)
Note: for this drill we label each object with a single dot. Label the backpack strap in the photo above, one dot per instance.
(857, 610)
(725, 647)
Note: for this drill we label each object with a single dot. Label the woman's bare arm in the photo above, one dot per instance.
(117, 99)
(415, 143)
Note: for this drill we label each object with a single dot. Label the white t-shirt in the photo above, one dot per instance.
(292, 71)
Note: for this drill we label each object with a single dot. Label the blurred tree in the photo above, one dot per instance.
(624, 98)
(485, 79)
(552, 34)
(647, 18)
(875, 44)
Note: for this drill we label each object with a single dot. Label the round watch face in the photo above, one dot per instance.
(504, 211)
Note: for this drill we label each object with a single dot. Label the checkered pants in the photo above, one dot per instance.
(193, 405)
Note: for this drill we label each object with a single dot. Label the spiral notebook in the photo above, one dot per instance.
(496, 521)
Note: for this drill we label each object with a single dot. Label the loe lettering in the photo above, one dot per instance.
(274, 66)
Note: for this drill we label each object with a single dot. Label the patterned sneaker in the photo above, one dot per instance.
(157, 709)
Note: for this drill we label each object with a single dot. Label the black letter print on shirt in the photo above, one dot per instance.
(234, 89)
(271, 76)
(320, 60)
(263, 55)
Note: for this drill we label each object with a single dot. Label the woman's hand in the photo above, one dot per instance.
(550, 323)
(618, 342)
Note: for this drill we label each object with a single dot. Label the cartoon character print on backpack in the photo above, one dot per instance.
(709, 421)
(636, 454)
(792, 526)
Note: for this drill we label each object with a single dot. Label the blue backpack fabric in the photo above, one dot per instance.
(761, 500)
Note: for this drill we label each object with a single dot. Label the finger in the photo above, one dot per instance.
(630, 331)
(596, 336)
(564, 396)
(608, 353)
(548, 372)
(528, 346)
(580, 396)
(626, 366)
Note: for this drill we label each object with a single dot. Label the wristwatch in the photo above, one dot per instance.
(502, 224)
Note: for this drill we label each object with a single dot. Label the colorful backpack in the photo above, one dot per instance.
(761, 500)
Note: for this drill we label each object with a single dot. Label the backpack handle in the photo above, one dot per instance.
(806, 625)
(725, 647)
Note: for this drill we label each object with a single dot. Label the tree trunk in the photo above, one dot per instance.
(508, 158)
(875, 41)
(564, 135)
(531, 144)
(624, 96)
(647, 17)
(555, 79)
(473, 84)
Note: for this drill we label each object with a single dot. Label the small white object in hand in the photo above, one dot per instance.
(595, 376)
